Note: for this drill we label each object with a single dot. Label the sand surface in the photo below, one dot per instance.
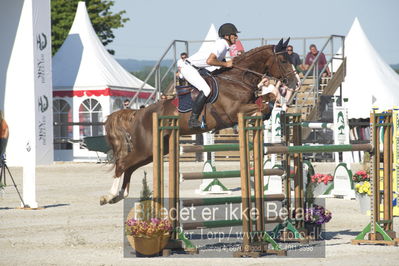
(73, 229)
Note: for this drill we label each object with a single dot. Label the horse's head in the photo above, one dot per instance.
(278, 66)
(269, 60)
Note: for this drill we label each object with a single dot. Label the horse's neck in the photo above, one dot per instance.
(248, 71)
(249, 68)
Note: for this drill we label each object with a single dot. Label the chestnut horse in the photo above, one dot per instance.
(129, 132)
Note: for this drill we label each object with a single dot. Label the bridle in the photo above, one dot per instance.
(284, 75)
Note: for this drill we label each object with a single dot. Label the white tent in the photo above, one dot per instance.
(210, 38)
(88, 84)
(212, 35)
(369, 81)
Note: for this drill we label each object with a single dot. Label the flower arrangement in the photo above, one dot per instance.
(317, 215)
(361, 176)
(364, 188)
(149, 228)
(321, 178)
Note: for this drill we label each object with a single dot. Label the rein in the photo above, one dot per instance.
(238, 81)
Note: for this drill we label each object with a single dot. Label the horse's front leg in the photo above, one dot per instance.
(265, 106)
(126, 181)
(114, 196)
(113, 192)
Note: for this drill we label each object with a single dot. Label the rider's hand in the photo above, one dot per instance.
(229, 64)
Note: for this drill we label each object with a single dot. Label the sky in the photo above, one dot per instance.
(154, 24)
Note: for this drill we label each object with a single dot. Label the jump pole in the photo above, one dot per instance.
(212, 185)
(226, 174)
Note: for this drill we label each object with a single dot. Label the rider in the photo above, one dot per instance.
(211, 60)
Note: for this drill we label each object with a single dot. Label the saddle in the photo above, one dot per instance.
(186, 94)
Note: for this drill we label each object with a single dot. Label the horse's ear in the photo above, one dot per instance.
(285, 44)
(279, 46)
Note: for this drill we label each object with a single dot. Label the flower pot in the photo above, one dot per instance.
(148, 246)
(364, 202)
(314, 230)
(319, 189)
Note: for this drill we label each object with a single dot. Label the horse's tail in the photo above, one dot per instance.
(118, 136)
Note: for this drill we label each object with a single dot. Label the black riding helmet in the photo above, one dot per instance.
(227, 29)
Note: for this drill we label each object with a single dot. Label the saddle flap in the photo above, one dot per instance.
(188, 93)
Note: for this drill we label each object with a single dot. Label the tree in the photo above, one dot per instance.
(102, 18)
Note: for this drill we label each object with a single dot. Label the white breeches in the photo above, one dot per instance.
(195, 79)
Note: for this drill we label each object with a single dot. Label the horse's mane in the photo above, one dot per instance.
(244, 57)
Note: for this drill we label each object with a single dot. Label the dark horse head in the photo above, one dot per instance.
(269, 60)
(129, 132)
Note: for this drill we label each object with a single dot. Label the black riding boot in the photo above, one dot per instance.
(197, 108)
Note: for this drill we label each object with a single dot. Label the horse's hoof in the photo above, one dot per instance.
(103, 200)
(115, 199)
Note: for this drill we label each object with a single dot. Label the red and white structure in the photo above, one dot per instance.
(88, 85)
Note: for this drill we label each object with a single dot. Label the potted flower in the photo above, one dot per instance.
(315, 217)
(146, 234)
(150, 236)
(363, 190)
(360, 176)
(320, 183)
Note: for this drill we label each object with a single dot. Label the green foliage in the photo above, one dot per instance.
(103, 20)
(164, 84)
(145, 200)
(145, 193)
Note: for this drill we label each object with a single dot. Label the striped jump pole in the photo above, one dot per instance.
(317, 125)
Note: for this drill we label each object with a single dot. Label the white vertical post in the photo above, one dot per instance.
(28, 93)
(208, 140)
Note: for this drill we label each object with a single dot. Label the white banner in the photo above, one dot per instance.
(28, 90)
(341, 132)
(43, 81)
